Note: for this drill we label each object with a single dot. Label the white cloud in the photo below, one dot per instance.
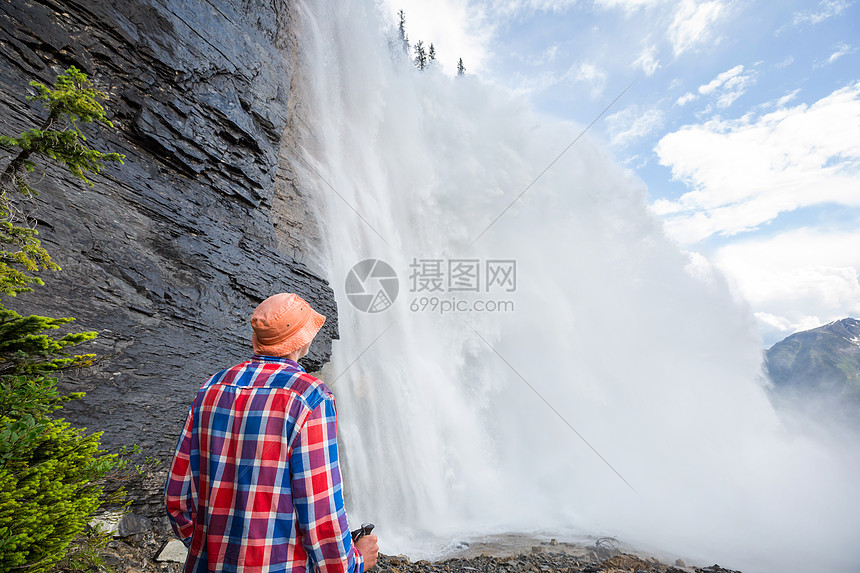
(524, 85)
(795, 280)
(787, 98)
(729, 85)
(629, 6)
(786, 62)
(585, 73)
(690, 22)
(744, 172)
(590, 74)
(826, 9)
(718, 81)
(631, 123)
(842, 50)
(736, 89)
(506, 9)
(648, 61)
(547, 55)
(779, 102)
(774, 328)
(693, 22)
(686, 98)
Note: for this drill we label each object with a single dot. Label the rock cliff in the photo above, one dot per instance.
(167, 255)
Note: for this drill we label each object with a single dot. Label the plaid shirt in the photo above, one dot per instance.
(255, 483)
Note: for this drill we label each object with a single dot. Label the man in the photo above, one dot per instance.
(255, 483)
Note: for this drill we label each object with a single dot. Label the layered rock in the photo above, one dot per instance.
(167, 255)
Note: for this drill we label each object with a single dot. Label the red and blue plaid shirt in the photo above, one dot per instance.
(255, 483)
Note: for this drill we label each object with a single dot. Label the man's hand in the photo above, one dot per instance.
(369, 549)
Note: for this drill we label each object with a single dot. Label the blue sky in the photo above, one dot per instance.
(743, 122)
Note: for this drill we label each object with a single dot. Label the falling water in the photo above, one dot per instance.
(621, 396)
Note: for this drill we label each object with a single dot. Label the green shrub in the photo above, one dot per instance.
(47, 495)
(49, 471)
(51, 474)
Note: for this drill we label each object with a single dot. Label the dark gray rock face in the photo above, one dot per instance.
(167, 255)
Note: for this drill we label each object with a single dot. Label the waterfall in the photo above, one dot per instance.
(615, 390)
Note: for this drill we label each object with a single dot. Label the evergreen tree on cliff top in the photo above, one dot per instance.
(420, 55)
(49, 471)
(404, 37)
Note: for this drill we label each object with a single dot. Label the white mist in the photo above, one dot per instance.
(652, 363)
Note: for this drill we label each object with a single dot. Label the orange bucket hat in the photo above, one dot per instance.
(283, 323)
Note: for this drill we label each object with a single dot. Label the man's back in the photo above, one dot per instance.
(255, 484)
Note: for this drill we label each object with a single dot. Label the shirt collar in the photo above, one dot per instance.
(278, 359)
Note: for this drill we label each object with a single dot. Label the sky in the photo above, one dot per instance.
(742, 120)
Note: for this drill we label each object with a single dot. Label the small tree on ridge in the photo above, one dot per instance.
(420, 55)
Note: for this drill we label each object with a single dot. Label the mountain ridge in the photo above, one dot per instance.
(819, 364)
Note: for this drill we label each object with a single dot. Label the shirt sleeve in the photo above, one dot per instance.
(318, 494)
(180, 493)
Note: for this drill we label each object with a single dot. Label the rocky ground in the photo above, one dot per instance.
(542, 562)
(142, 545)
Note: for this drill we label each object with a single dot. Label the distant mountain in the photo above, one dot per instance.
(823, 362)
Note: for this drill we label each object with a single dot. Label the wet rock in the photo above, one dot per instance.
(538, 563)
(167, 255)
(131, 524)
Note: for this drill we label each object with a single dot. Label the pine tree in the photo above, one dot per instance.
(404, 38)
(420, 55)
(431, 54)
(72, 100)
(461, 69)
(49, 471)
